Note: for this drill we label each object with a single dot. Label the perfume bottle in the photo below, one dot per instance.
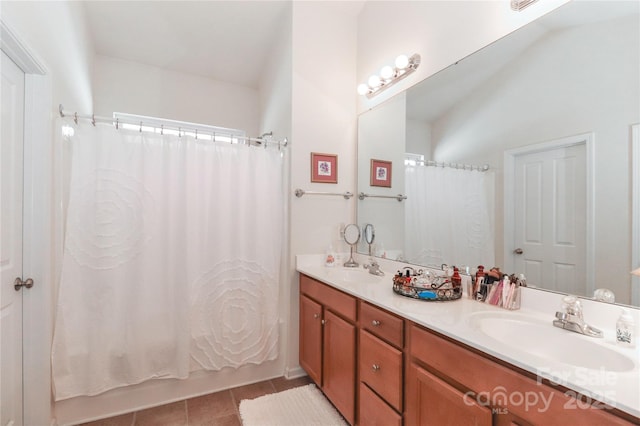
(456, 279)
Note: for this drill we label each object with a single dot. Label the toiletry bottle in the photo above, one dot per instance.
(479, 280)
(625, 330)
(330, 257)
(456, 279)
(407, 278)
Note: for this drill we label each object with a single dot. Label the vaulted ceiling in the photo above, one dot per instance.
(224, 40)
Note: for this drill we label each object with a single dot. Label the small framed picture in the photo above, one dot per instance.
(324, 168)
(381, 173)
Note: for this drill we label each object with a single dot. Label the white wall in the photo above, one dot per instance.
(442, 32)
(323, 120)
(57, 34)
(135, 88)
(607, 52)
(275, 85)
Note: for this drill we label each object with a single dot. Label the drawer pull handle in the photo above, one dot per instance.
(375, 323)
(316, 316)
(375, 367)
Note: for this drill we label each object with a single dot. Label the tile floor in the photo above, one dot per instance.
(216, 409)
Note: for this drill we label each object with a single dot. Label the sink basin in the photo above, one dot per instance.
(352, 275)
(543, 340)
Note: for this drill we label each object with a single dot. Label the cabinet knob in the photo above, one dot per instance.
(316, 316)
(323, 322)
(375, 367)
(375, 323)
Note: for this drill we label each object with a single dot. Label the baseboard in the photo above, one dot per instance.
(294, 373)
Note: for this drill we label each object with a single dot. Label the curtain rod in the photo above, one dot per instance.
(431, 163)
(117, 121)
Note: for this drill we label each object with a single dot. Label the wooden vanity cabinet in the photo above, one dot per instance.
(328, 342)
(399, 373)
(459, 383)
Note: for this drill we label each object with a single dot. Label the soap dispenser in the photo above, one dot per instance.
(625, 330)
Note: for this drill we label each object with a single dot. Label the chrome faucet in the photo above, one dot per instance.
(374, 268)
(573, 320)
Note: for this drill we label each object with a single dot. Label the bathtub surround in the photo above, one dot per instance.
(167, 268)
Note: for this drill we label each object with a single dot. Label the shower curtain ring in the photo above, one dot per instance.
(75, 117)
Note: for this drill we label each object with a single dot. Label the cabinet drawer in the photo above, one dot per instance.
(373, 411)
(380, 367)
(333, 299)
(381, 323)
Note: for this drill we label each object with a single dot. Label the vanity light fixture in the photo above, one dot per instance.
(404, 65)
(518, 5)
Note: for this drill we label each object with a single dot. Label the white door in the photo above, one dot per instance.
(550, 218)
(11, 173)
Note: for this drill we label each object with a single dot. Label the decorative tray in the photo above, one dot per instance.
(425, 287)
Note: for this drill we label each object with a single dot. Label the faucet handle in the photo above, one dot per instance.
(572, 306)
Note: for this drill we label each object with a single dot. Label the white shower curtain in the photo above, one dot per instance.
(449, 216)
(171, 259)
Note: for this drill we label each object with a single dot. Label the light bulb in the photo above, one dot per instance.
(363, 89)
(386, 72)
(374, 81)
(402, 62)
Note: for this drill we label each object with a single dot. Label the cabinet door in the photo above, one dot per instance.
(339, 364)
(311, 338)
(431, 401)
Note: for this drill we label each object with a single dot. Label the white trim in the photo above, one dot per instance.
(19, 52)
(509, 197)
(635, 212)
(37, 227)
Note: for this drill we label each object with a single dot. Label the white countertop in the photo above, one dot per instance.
(455, 319)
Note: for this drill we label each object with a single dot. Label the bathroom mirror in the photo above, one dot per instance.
(572, 72)
(351, 237)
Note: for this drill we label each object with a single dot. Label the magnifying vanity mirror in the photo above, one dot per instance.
(351, 237)
(369, 236)
(566, 83)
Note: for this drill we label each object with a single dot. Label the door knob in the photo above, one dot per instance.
(18, 283)
(518, 251)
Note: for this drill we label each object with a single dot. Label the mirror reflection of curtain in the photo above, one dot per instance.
(171, 259)
(449, 216)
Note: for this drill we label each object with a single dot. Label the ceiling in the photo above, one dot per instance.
(228, 41)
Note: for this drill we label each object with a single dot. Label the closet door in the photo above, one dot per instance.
(11, 201)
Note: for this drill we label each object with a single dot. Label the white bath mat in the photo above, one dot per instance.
(302, 406)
